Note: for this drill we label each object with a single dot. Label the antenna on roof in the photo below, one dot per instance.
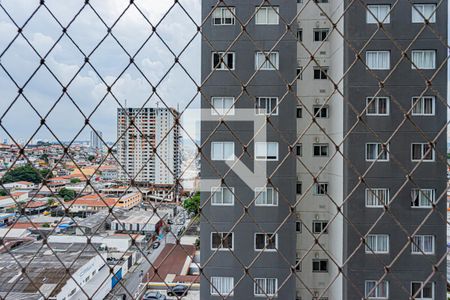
(125, 103)
(157, 104)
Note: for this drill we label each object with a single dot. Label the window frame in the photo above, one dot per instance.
(222, 111)
(421, 251)
(371, 190)
(320, 109)
(376, 101)
(259, 191)
(265, 249)
(377, 286)
(318, 191)
(223, 234)
(378, 157)
(214, 290)
(375, 249)
(420, 194)
(264, 288)
(223, 152)
(323, 72)
(376, 17)
(415, 12)
(321, 145)
(268, 100)
(378, 52)
(267, 9)
(266, 151)
(423, 150)
(321, 31)
(225, 66)
(415, 66)
(415, 101)
(318, 260)
(272, 66)
(222, 203)
(323, 225)
(422, 286)
(230, 9)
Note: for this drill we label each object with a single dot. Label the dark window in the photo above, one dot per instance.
(267, 240)
(299, 112)
(298, 226)
(320, 73)
(300, 35)
(320, 111)
(320, 34)
(320, 149)
(299, 150)
(320, 265)
(299, 188)
(299, 73)
(319, 226)
(222, 240)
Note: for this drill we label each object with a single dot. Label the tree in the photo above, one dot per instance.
(3, 193)
(26, 173)
(75, 180)
(192, 205)
(91, 158)
(67, 194)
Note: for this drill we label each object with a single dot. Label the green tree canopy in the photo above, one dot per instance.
(67, 194)
(192, 204)
(25, 173)
(75, 180)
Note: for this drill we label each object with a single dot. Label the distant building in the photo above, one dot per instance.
(22, 185)
(139, 131)
(96, 140)
(100, 202)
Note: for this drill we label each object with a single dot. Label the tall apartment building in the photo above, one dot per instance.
(95, 140)
(357, 146)
(149, 145)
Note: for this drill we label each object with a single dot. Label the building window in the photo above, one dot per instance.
(299, 112)
(300, 73)
(224, 16)
(377, 244)
(319, 226)
(266, 242)
(267, 15)
(222, 196)
(377, 290)
(265, 287)
(320, 149)
(267, 60)
(222, 106)
(321, 73)
(320, 111)
(267, 106)
(298, 226)
(223, 61)
(423, 244)
(375, 152)
(300, 34)
(320, 265)
(266, 151)
(299, 188)
(378, 14)
(222, 286)
(377, 197)
(423, 59)
(378, 106)
(421, 291)
(299, 150)
(222, 151)
(423, 106)
(378, 60)
(321, 188)
(420, 12)
(222, 240)
(266, 197)
(422, 152)
(423, 198)
(320, 34)
(298, 263)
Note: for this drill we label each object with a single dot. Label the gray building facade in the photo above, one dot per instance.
(381, 188)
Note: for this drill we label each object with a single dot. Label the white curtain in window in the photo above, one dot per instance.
(228, 151)
(222, 285)
(378, 60)
(427, 10)
(424, 59)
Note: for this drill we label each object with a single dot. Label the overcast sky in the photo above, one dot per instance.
(109, 60)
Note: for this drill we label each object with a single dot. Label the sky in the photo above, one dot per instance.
(86, 89)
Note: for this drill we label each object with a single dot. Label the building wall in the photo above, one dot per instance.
(259, 219)
(402, 84)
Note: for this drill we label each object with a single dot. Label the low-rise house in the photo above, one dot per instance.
(140, 222)
(22, 185)
(100, 202)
